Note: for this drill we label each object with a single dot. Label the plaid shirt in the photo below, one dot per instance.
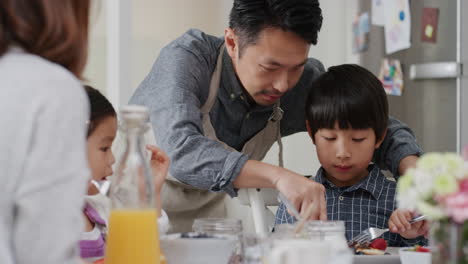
(369, 203)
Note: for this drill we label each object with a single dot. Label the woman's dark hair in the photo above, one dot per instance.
(101, 108)
(56, 30)
(249, 17)
(350, 95)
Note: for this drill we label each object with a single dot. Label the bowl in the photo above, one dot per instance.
(411, 257)
(198, 248)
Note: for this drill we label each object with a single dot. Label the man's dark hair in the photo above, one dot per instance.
(249, 17)
(101, 108)
(350, 95)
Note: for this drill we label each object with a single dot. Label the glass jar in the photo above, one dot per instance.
(334, 233)
(449, 242)
(222, 226)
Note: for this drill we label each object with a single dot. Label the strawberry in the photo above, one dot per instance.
(421, 249)
(379, 243)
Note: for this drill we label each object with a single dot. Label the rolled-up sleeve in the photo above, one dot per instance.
(174, 91)
(399, 143)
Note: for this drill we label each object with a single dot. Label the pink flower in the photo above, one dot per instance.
(464, 185)
(456, 206)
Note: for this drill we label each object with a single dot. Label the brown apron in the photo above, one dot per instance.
(184, 203)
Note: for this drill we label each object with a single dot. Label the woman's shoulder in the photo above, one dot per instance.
(20, 66)
(24, 70)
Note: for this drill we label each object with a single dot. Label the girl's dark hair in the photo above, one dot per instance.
(56, 30)
(249, 17)
(350, 95)
(101, 108)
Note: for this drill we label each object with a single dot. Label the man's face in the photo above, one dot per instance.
(271, 66)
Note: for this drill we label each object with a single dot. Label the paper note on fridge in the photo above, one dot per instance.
(378, 18)
(397, 25)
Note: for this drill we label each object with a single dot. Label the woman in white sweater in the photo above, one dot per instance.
(43, 113)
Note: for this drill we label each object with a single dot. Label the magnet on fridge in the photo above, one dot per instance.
(430, 20)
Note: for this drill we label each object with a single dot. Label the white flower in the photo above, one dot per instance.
(445, 184)
(430, 162)
(436, 177)
(454, 165)
(408, 201)
(423, 183)
(433, 212)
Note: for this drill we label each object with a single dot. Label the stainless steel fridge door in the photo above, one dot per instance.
(428, 106)
(464, 78)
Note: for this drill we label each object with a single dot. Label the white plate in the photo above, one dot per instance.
(393, 258)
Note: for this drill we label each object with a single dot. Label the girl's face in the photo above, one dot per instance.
(100, 156)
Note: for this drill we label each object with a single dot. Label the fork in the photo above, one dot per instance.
(372, 233)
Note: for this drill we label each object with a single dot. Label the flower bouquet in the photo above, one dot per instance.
(438, 188)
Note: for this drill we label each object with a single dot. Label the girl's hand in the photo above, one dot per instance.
(159, 166)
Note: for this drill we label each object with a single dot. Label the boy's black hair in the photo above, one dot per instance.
(100, 108)
(350, 95)
(249, 17)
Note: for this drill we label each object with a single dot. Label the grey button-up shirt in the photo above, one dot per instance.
(178, 86)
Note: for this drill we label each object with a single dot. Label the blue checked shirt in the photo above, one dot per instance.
(369, 203)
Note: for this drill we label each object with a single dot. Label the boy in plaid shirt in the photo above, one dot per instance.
(347, 117)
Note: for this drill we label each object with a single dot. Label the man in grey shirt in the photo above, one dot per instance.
(214, 101)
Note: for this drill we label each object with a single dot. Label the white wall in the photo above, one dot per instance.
(95, 71)
(152, 25)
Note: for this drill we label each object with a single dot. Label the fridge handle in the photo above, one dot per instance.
(436, 70)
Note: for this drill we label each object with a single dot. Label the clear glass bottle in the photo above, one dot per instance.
(334, 233)
(222, 226)
(133, 231)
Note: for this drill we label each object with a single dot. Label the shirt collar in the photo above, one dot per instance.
(373, 183)
(229, 77)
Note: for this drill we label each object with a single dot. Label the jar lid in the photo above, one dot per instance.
(325, 226)
(219, 225)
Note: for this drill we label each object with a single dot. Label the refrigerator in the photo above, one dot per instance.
(434, 103)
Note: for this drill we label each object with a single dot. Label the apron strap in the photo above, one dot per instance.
(214, 83)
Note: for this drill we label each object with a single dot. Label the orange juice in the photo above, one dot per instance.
(133, 237)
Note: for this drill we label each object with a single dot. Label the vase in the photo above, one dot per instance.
(449, 242)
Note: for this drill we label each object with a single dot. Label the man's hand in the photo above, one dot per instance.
(299, 190)
(302, 192)
(399, 223)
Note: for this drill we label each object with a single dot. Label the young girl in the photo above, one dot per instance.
(102, 129)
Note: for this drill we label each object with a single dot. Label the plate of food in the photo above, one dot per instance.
(376, 252)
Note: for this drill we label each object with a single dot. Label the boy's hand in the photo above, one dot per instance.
(399, 223)
(159, 166)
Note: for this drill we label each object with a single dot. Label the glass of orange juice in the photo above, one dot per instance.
(133, 232)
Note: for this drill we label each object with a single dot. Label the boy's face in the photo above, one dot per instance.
(100, 156)
(345, 154)
(271, 66)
